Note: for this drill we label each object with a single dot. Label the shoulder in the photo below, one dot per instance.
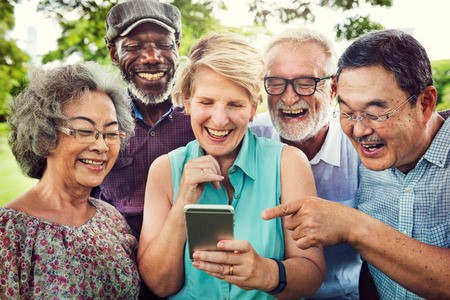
(10, 217)
(18, 228)
(294, 154)
(262, 125)
(162, 162)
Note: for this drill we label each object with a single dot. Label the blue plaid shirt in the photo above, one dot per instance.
(417, 204)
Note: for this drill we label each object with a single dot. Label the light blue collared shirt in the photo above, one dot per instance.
(416, 204)
(255, 177)
(335, 170)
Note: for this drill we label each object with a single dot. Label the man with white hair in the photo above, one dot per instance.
(300, 68)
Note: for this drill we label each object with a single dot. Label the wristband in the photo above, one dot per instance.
(282, 282)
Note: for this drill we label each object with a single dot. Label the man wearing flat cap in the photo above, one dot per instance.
(143, 37)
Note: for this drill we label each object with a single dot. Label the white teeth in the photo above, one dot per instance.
(91, 162)
(292, 112)
(150, 76)
(371, 147)
(219, 133)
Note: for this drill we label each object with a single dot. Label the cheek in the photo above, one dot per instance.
(172, 58)
(272, 102)
(241, 121)
(348, 132)
(198, 118)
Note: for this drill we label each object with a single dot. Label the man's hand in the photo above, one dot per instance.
(314, 221)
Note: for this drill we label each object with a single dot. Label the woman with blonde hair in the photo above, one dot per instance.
(220, 88)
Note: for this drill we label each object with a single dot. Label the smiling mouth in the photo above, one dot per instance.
(151, 76)
(372, 147)
(218, 133)
(293, 113)
(92, 163)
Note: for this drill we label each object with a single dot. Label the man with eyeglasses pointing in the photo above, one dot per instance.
(401, 228)
(299, 64)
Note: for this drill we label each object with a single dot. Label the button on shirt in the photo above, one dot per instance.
(335, 170)
(417, 203)
(124, 186)
(255, 177)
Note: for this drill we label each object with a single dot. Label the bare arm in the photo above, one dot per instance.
(419, 267)
(305, 269)
(161, 245)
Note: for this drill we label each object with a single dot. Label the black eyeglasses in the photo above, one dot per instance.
(303, 86)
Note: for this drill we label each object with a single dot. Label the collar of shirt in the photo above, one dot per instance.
(439, 149)
(330, 152)
(246, 158)
(139, 116)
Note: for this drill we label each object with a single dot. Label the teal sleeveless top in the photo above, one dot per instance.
(255, 176)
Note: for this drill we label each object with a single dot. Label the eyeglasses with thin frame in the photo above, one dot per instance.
(88, 136)
(367, 119)
(303, 86)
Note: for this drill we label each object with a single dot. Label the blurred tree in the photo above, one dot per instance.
(348, 29)
(13, 70)
(83, 25)
(83, 21)
(441, 76)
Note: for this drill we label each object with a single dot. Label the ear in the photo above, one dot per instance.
(187, 107)
(428, 101)
(333, 90)
(253, 112)
(112, 49)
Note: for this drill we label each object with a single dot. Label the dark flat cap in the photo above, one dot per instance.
(125, 16)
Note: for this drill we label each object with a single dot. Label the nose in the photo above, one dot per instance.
(99, 144)
(359, 129)
(220, 116)
(289, 96)
(151, 55)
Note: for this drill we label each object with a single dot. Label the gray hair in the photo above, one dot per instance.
(37, 110)
(296, 37)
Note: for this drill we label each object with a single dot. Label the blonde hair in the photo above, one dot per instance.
(296, 37)
(228, 54)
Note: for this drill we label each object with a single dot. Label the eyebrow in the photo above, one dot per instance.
(375, 102)
(92, 121)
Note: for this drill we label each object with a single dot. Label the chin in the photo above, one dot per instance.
(373, 165)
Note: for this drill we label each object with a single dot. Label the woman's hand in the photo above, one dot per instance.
(196, 172)
(238, 263)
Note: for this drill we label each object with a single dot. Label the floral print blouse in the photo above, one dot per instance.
(40, 259)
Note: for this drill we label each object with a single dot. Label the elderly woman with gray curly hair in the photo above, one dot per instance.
(67, 128)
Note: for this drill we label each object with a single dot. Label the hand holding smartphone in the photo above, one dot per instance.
(207, 224)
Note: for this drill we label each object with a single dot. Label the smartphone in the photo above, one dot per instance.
(207, 224)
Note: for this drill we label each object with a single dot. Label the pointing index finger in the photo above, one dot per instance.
(279, 211)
